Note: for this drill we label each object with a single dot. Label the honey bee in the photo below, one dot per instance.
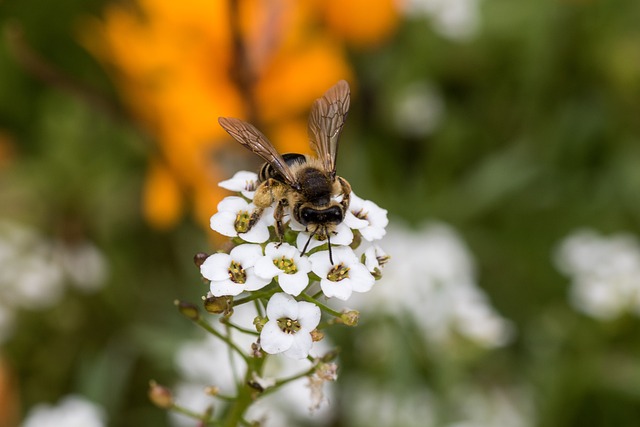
(306, 185)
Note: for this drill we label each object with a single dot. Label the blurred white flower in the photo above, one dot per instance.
(288, 330)
(453, 19)
(83, 263)
(34, 270)
(233, 273)
(418, 110)
(432, 277)
(342, 277)
(604, 272)
(366, 217)
(72, 411)
(232, 220)
(242, 182)
(493, 407)
(284, 262)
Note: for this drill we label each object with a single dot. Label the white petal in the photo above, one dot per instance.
(246, 255)
(343, 236)
(320, 263)
(303, 264)
(293, 284)
(224, 223)
(253, 281)
(354, 222)
(344, 255)
(216, 267)
(282, 305)
(273, 340)
(372, 233)
(233, 204)
(240, 181)
(300, 347)
(341, 290)
(361, 279)
(266, 268)
(302, 239)
(259, 233)
(309, 316)
(225, 287)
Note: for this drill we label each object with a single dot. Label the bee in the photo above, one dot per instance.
(306, 185)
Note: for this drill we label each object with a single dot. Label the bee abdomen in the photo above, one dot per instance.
(267, 171)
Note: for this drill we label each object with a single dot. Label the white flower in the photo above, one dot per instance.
(232, 219)
(375, 259)
(605, 272)
(289, 327)
(233, 273)
(453, 19)
(366, 217)
(343, 236)
(242, 182)
(72, 411)
(344, 276)
(284, 262)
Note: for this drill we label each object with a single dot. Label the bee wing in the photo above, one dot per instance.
(247, 135)
(325, 124)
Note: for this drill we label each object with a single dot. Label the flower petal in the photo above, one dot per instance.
(253, 281)
(273, 340)
(246, 255)
(282, 305)
(224, 223)
(300, 347)
(309, 316)
(293, 284)
(341, 290)
(259, 233)
(233, 204)
(320, 263)
(225, 287)
(266, 269)
(361, 279)
(216, 267)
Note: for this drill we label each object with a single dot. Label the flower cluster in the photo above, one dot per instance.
(282, 275)
(605, 272)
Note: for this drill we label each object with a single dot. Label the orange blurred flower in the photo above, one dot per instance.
(180, 65)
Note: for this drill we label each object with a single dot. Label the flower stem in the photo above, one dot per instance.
(230, 343)
(321, 305)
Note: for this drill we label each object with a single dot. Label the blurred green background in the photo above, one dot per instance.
(516, 123)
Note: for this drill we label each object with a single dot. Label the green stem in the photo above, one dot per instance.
(195, 415)
(245, 397)
(321, 305)
(230, 343)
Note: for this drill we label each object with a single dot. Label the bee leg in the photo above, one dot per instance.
(255, 217)
(346, 192)
(277, 215)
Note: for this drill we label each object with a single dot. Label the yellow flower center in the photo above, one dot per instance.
(237, 273)
(338, 273)
(242, 222)
(288, 326)
(286, 264)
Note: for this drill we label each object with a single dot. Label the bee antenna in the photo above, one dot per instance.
(309, 240)
(329, 244)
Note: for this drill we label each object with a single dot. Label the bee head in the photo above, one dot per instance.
(330, 215)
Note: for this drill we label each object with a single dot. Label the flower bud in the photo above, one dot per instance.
(218, 305)
(188, 310)
(259, 322)
(199, 258)
(350, 318)
(317, 335)
(160, 395)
